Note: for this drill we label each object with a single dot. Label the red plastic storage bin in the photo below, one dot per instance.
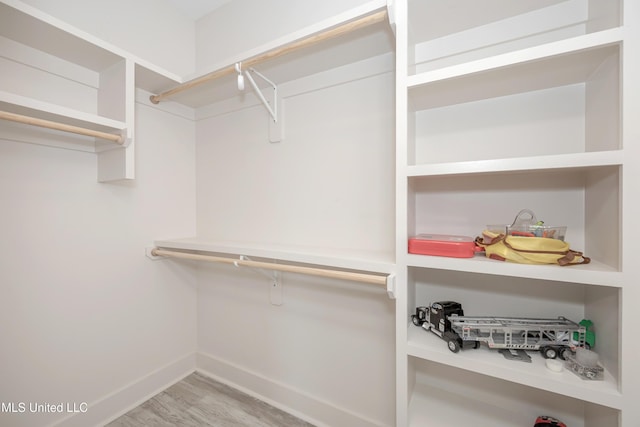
(442, 245)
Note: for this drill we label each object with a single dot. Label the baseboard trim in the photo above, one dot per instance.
(296, 402)
(119, 402)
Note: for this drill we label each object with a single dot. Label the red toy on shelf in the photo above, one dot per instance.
(443, 245)
(547, 421)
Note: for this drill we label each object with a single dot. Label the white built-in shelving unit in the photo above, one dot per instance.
(52, 71)
(502, 106)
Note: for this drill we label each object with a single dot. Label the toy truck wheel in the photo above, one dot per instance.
(415, 320)
(452, 342)
(562, 354)
(549, 352)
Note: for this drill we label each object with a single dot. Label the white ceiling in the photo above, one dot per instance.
(196, 9)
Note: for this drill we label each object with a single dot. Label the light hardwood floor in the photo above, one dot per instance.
(200, 401)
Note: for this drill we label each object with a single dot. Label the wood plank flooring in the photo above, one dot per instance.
(200, 401)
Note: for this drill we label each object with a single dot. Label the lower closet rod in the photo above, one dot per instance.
(313, 271)
(118, 139)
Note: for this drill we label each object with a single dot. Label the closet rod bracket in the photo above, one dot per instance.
(275, 285)
(274, 107)
(261, 271)
(149, 252)
(391, 286)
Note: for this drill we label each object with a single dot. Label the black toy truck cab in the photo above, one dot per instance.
(435, 317)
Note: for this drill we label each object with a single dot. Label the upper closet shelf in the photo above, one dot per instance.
(78, 87)
(29, 26)
(441, 36)
(521, 164)
(553, 64)
(358, 34)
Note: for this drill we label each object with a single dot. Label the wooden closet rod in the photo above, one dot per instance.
(278, 51)
(313, 271)
(118, 139)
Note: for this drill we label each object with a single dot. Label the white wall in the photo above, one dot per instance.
(85, 316)
(152, 30)
(328, 184)
(241, 25)
(327, 353)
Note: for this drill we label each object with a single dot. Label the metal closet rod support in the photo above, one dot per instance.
(345, 28)
(5, 115)
(313, 271)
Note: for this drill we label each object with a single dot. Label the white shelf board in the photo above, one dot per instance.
(374, 262)
(369, 42)
(431, 20)
(43, 110)
(521, 164)
(425, 345)
(550, 65)
(30, 26)
(594, 273)
(154, 79)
